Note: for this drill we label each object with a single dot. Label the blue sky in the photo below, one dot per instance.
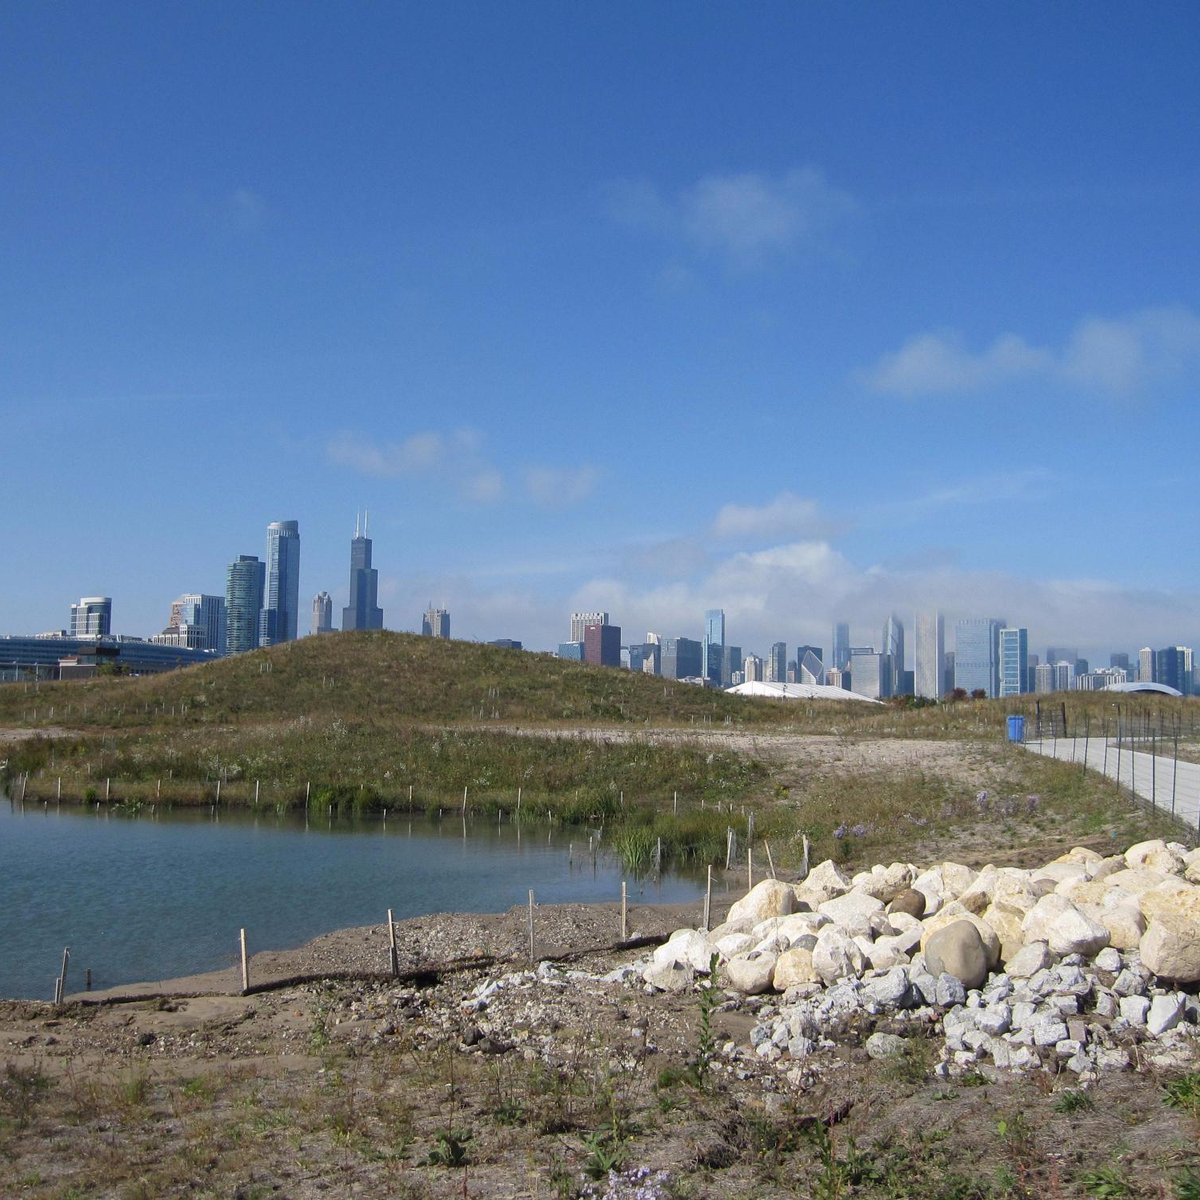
(810, 312)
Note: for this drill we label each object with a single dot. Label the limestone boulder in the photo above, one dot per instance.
(837, 956)
(1191, 866)
(884, 883)
(1155, 855)
(751, 974)
(957, 949)
(728, 927)
(1125, 923)
(822, 883)
(793, 968)
(791, 927)
(1029, 960)
(688, 946)
(768, 898)
(943, 883)
(1059, 873)
(733, 943)
(1108, 866)
(852, 912)
(979, 895)
(669, 976)
(887, 952)
(1173, 896)
(1137, 880)
(1064, 927)
(1170, 948)
(1006, 924)
(1081, 854)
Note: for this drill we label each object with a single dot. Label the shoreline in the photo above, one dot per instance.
(434, 944)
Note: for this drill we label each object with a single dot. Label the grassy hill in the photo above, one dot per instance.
(363, 722)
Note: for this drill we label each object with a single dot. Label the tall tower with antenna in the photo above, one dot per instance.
(363, 611)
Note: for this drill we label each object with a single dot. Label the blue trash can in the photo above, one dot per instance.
(1016, 728)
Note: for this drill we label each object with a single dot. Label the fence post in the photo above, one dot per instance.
(531, 959)
(245, 963)
(708, 900)
(624, 911)
(393, 956)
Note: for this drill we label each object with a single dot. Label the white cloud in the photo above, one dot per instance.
(788, 515)
(424, 454)
(560, 487)
(1118, 356)
(745, 219)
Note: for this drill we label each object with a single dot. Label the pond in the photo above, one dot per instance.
(154, 896)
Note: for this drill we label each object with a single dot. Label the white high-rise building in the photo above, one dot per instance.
(581, 620)
(929, 655)
(92, 617)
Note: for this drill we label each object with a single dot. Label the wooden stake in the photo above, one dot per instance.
(624, 911)
(531, 959)
(708, 899)
(464, 801)
(107, 788)
(749, 868)
(256, 782)
(394, 957)
(218, 791)
(770, 860)
(245, 964)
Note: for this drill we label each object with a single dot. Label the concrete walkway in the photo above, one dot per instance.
(1168, 784)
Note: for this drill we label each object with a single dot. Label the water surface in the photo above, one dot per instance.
(154, 896)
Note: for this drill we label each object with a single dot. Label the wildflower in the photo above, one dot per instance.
(635, 1183)
(860, 830)
(840, 832)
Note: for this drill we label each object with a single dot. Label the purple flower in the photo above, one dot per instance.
(840, 832)
(860, 830)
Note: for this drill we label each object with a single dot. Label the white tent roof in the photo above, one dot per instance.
(797, 691)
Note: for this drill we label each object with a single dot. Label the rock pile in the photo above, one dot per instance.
(1087, 963)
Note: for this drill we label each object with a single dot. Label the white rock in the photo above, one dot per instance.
(1165, 1013)
(669, 977)
(823, 882)
(1134, 1009)
(852, 912)
(1033, 957)
(1137, 880)
(947, 881)
(768, 898)
(687, 946)
(1059, 873)
(734, 943)
(752, 973)
(955, 912)
(1156, 855)
(884, 883)
(1067, 930)
(1125, 924)
(793, 968)
(1170, 948)
(793, 926)
(836, 956)
(884, 1045)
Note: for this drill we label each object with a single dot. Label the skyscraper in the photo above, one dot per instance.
(581, 619)
(602, 645)
(977, 655)
(776, 665)
(1014, 661)
(841, 646)
(929, 656)
(363, 611)
(199, 622)
(893, 650)
(243, 603)
(436, 623)
(810, 668)
(281, 599)
(868, 673)
(91, 617)
(322, 615)
(712, 664)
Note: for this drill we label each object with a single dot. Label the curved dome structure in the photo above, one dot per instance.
(1160, 689)
(797, 691)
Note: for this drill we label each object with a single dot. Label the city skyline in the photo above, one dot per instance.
(904, 327)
